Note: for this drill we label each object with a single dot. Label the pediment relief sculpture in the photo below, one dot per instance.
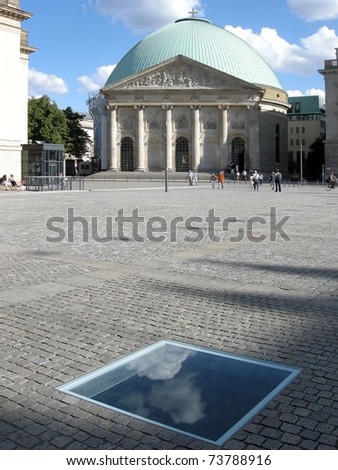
(183, 76)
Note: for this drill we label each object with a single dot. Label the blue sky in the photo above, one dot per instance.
(80, 41)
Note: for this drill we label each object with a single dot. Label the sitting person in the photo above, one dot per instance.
(12, 182)
(5, 181)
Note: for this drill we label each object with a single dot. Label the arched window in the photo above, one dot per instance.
(127, 154)
(182, 154)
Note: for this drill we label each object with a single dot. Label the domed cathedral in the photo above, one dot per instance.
(191, 96)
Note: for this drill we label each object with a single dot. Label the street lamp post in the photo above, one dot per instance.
(301, 163)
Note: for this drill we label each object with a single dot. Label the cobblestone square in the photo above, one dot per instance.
(84, 283)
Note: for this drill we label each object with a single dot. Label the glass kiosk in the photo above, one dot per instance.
(43, 166)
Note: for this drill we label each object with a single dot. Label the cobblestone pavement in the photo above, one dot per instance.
(76, 296)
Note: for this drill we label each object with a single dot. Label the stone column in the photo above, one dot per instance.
(196, 157)
(140, 138)
(252, 153)
(224, 147)
(112, 138)
(104, 142)
(168, 137)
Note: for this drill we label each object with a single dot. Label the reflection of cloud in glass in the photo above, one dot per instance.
(156, 369)
(177, 397)
(136, 401)
(180, 398)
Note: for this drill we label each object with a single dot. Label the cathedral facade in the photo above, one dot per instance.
(191, 96)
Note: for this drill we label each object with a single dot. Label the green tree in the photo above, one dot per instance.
(78, 139)
(46, 122)
(316, 158)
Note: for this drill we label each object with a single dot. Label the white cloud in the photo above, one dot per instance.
(309, 92)
(40, 83)
(300, 59)
(315, 10)
(143, 15)
(95, 81)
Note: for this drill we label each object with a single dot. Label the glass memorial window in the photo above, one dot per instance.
(203, 393)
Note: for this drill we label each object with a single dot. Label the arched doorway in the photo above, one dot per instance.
(127, 154)
(238, 153)
(182, 154)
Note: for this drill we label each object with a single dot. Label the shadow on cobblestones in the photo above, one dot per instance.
(287, 268)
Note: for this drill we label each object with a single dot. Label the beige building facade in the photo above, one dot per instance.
(330, 73)
(14, 53)
(307, 123)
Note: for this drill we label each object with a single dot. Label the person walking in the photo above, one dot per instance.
(212, 180)
(255, 180)
(190, 177)
(278, 179)
(272, 180)
(220, 179)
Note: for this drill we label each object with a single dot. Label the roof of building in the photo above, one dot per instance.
(203, 42)
(311, 104)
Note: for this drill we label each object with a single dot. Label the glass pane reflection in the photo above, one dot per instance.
(200, 392)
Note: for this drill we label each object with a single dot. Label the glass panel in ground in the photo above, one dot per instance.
(193, 391)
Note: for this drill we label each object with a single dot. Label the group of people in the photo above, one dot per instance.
(219, 178)
(255, 179)
(275, 179)
(9, 182)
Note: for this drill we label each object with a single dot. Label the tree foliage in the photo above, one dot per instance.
(77, 138)
(47, 123)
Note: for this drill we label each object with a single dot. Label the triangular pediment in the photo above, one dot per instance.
(181, 73)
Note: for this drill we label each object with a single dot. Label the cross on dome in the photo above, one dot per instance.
(193, 12)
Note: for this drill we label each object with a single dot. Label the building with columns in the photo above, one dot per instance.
(330, 73)
(14, 53)
(191, 96)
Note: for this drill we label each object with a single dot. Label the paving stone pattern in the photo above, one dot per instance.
(71, 306)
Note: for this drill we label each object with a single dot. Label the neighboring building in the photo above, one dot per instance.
(14, 54)
(306, 124)
(330, 73)
(87, 124)
(191, 96)
(72, 165)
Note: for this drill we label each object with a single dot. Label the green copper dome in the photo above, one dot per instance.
(203, 42)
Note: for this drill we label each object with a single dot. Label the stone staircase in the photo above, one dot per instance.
(143, 176)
